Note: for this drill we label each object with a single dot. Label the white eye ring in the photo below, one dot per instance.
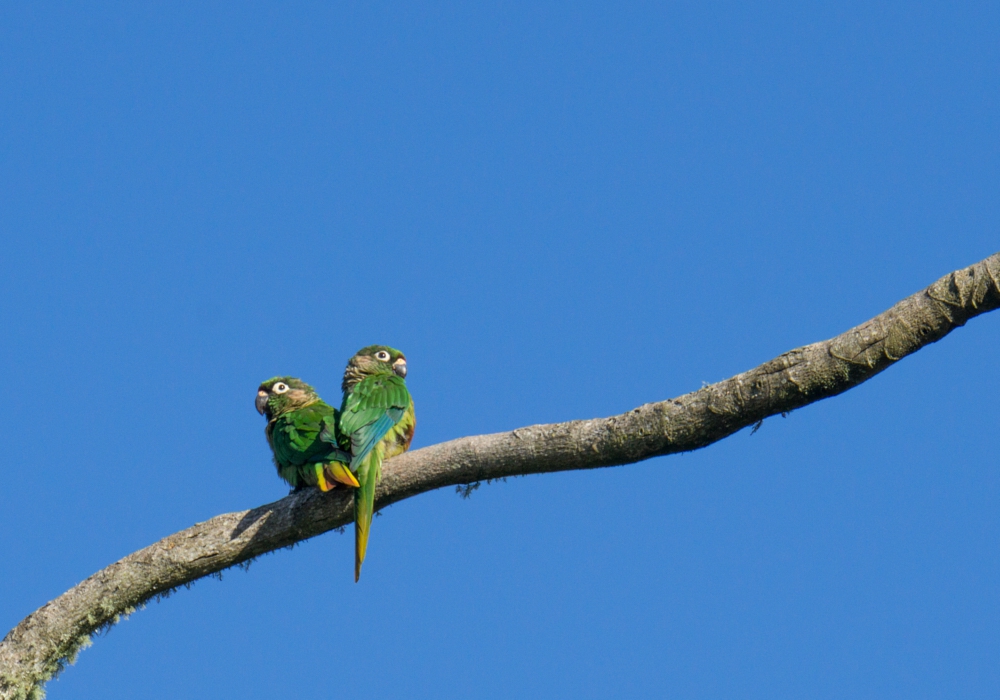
(280, 388)
(382, 355)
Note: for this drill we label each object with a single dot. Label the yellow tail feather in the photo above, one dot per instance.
(360, 546)
(338, 471)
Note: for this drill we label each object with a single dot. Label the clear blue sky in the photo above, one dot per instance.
(557, 210)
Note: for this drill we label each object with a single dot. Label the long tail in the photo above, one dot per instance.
(369, 472)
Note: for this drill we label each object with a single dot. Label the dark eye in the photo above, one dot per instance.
(382, 355)
(280, 388)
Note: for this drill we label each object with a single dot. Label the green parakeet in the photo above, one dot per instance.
(302, 432)
(376, 423)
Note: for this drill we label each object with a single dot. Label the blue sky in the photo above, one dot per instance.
(557, 210)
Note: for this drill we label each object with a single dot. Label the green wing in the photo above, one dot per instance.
(370, 411)
(300, 438)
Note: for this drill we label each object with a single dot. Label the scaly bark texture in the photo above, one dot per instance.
(45, 640)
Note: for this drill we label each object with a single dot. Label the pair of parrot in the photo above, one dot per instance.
(314, 444)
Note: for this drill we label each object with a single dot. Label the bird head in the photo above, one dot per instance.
(374, 359)
(283, 394)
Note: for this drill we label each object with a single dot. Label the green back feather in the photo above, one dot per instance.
(376, 420)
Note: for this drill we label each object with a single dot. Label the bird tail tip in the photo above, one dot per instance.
(360, 547)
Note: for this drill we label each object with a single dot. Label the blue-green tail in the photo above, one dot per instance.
(369, 472)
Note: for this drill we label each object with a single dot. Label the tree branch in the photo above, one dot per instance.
(44, 641)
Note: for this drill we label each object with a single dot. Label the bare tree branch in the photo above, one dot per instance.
(45, 640)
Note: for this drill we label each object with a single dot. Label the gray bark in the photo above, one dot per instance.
(48, 638)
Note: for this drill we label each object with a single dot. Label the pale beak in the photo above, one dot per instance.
(399, 367)
(261, 402)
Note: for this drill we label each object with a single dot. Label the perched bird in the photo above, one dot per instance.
(302, 432)
(376, 423)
